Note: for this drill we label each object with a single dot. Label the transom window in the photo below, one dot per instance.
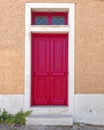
(51, 18)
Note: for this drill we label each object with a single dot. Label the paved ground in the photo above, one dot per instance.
(75, 127)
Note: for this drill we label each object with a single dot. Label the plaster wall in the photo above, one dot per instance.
(89, 45)
(88, 108)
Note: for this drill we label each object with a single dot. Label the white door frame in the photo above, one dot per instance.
(70, 7)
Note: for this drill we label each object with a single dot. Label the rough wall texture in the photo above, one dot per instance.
(89, 45)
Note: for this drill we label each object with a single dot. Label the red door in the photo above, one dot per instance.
(49, 69)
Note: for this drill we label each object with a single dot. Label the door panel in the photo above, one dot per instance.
(41, 56)
(49, 69)
(58, 56)
(41, 90)
(40, 70)
(57, 90)
(59, 70)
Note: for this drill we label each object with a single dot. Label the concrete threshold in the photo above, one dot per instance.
(50, 120)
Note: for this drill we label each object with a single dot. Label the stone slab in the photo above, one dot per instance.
(56, 120)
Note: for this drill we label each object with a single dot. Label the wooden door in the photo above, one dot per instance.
(49, 69)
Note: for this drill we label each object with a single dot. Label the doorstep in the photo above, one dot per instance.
(52, 119)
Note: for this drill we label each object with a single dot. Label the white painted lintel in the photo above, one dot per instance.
(50, 5)
(51, 29)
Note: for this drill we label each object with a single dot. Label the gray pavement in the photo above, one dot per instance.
(75, 127)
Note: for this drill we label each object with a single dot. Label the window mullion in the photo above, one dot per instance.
(49, 19)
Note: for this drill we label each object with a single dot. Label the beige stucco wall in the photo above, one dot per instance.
(89, 45)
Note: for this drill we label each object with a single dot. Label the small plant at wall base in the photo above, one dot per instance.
(17, 119)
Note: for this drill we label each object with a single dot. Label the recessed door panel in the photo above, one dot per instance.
(41, 56)
(58, 90)
(59, 55)
(41, 90)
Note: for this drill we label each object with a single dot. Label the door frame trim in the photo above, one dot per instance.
(70, 28)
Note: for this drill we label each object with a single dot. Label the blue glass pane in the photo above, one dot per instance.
(41, 20)
(57, 20)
